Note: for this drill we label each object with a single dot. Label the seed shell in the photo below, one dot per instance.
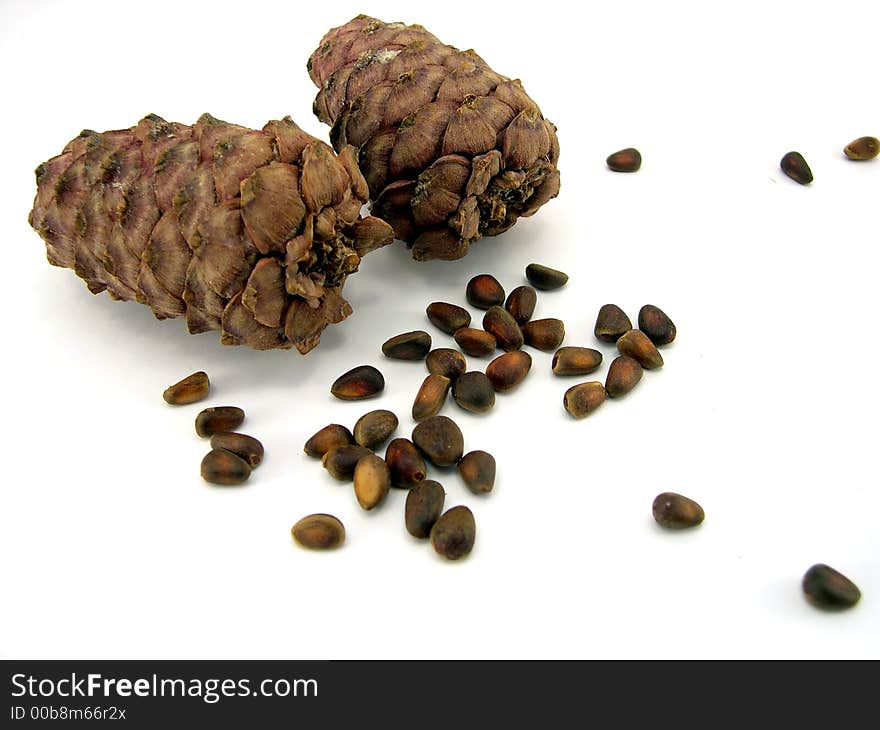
(217, 419)
(582, 399)
(521, 304)
(424, 504)
(826, 588)
(431, 396)
(363, 381)
(240, 444)
(476, 343)
(544, 334)
(372, 480)
(544, 278)
(795, 166)
(448, 317)
(676, 512)
(484, 291)
(863, 148)
(405, 463)
(341, 461)
(624, 374)
(408, 346)
(473, 391)
(191, 389)
(655, 323)
(447, 362)
(440, 439)
(318, 532)
(576, 360)
(454, 533)
(508, 370)
(626, 160)
(225, 468)
(374, 428)
(477, 470)
(327, 438)
(611, 323)
(636, 344)
(499, 322)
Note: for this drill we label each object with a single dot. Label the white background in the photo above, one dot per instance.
(112, 546)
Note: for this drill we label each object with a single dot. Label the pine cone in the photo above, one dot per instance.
(451, 150)
(246, 231)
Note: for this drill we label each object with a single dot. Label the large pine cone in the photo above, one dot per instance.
(246, 231)
(451, 150)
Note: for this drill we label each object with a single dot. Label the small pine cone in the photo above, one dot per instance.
(451, 150)
(252, 232)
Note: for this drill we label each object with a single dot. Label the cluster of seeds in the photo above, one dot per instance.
(233, 456)
(506, 325)
(349, 455)
(509, 328)
(638, 352)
